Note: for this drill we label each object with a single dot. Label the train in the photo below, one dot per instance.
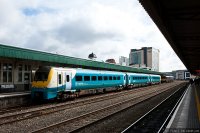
(167, 79)
(63, 83)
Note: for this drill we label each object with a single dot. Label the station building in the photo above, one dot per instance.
(18, 66)
(181, 74)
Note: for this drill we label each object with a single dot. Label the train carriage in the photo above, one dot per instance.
(52, 82)
(155, 79)
(137, 79)
(87, 79)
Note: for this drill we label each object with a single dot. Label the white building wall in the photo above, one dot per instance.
(124, 61)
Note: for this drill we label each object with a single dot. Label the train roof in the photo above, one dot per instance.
(80, 70)
(97, 71)
(138, 74)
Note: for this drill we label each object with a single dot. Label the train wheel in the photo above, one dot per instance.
(63, 97)
(77, 95)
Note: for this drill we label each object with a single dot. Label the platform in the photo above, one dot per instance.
(186, 117)
(14, 99)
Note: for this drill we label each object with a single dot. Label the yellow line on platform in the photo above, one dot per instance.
(198, 104)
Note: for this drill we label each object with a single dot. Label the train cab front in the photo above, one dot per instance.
(40, 86)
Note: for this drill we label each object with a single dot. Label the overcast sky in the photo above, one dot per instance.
(109, 28)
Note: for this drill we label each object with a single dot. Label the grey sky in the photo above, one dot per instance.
(109, 28)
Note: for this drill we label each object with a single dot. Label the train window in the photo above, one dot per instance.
(99, 77)
(59, 79)
(110, 77)
(118, 77)
(114, 78)
(78, 78)
(94, 78)
(86, 78)
(105, 78)
(67, 78)
(133, 78)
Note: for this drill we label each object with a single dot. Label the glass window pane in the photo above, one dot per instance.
(59, 79)
(20, 77)
(4, 76)
(86, 78)
(20, 67)
(29, 67)
(67, 78)
(94, 78)
(4, 66)
(99, 77)
(78, 78)
(25, 68)
(105, 78)
(10, 67)
(10, 76)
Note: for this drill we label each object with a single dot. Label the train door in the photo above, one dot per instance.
(125, 78)
(149, 79)
(128, 80)
(68, 82)
(60, 80)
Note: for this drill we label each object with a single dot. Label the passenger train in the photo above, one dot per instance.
(63, 83)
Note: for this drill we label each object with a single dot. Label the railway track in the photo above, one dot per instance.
(33, 106)
(95, 115)
(157, 119)
(23, 115)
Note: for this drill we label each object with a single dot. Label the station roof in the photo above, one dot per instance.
(33, 55)
(179, 21)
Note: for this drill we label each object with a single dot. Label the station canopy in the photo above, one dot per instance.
(179, 22)
(17, 54)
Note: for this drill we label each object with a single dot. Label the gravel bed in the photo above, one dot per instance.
(81, 98)
(39, 122)
(120, 121)
(70, 126)
(69, 105)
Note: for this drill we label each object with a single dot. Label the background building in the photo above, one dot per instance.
(123, 61)
(111, 61)
(181, 74)
(146, 56)
(92, 56)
